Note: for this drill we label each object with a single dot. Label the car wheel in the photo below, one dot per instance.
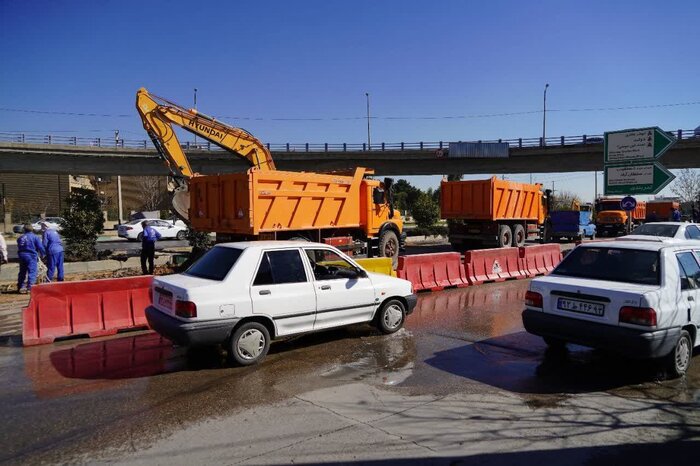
(678, 360)
(139, 237)
(391, 316)
(505, 236)
(518, 236)
(181, 235)
(389, 247)
(249, 344)
(554, 343)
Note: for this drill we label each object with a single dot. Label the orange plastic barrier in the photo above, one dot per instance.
(432, 271)
(539, 259)
(92, 307)
(493, 265)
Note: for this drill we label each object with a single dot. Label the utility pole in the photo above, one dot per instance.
(195, 107)
(596, 186)
(369, 139)
(544, 116)
(119, 199)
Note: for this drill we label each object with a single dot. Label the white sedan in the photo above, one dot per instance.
(677, 230)
(243, 295)
(639, 298)
(133, 231)
(55, 223)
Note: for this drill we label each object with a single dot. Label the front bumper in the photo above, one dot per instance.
(204, 333)
(411, 301)
(638, 344)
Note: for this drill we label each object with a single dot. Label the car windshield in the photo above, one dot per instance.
(655, 229)
(215, 263)
(612, 264)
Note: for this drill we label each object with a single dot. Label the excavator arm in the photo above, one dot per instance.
(158, 115)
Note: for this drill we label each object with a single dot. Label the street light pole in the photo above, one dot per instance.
(544, 116)
(369, 139)
(195, 107)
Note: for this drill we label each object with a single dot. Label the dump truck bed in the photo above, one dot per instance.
(271, 201)
(491, 200)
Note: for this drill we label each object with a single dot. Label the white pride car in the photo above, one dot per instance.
(133, 231)
(243, 295)
(638, 298)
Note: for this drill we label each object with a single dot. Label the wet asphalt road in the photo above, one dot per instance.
(84, 400)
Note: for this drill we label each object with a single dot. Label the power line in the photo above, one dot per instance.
(363, 118)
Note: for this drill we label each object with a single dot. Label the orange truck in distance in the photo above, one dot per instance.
(349, 210)
(493, 212)
(611, 220)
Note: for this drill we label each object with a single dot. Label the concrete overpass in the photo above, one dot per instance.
(559, 155)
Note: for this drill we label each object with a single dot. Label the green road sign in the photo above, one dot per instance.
(635, 145)
(637, 178)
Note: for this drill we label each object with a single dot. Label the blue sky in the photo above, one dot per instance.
(298, 71)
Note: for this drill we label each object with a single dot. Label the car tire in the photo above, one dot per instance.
(678, 360)
(249, 344)
(139, 237)
(391, 316)
(519, 236)
(505, 236)
(554, 343)
(181, 235)
(389, 247)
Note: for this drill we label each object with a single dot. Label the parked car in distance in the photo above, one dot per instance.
(133, 231)
(677, 230)
(55, 223)
(639, 298)
(572, 224)
(243, 295)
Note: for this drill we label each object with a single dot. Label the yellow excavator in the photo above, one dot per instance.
(159, 114)
(266, 203)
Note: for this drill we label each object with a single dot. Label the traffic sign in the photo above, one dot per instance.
(635, 145)
(637, 178)
(628, 203)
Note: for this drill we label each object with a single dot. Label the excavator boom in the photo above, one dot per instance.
(158, 115)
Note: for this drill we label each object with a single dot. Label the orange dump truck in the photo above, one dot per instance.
(660, 210)
(612, 220)
(275, 204)
(493, 212)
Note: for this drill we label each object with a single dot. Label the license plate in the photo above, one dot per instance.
(165, 301)
(580, 306)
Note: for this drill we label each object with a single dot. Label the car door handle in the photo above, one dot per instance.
(265, 292)
(326, 287)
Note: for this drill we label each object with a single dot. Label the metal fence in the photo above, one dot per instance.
(316, 147)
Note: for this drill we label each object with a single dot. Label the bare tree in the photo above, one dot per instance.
(564, 200)
(153, 191)
(687, 185)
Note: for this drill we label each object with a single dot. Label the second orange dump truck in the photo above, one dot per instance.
(493, 212)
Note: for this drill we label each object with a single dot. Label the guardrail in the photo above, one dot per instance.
(316, 147)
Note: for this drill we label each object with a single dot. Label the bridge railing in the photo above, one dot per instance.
(317, 147)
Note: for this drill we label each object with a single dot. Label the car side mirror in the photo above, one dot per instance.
(685, 283)
(361, 273)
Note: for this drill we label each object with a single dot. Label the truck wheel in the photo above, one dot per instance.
(249, 344)
(391, 316)
(518, 236)
(505, 236)
(389, 247)
(678, 360)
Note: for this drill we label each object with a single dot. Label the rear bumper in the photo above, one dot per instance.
(205, 333)
(638, 344)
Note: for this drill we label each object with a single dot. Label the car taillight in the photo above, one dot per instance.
(186, 309)
(533, 299)
(128, 228)
(638, 316)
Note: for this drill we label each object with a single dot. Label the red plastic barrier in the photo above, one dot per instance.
(432, 271)
(540, 259)
(493, 265)
(92, 307)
